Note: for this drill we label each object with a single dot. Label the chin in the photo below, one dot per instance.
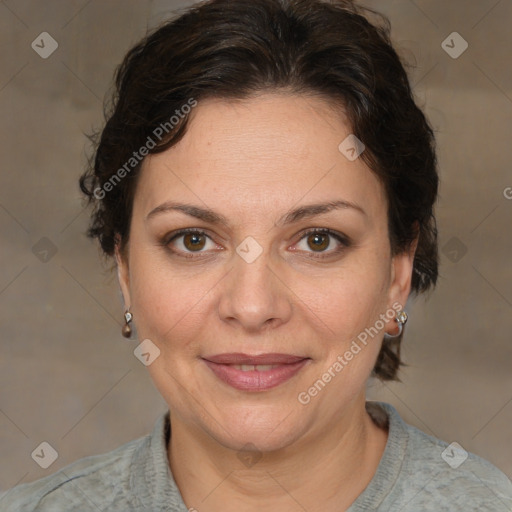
(268, 430)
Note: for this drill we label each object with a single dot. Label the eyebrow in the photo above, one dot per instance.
(207, 215)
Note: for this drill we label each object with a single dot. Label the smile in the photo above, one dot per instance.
(244, 373)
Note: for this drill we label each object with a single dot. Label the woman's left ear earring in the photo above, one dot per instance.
(127, 328)
(401, 320)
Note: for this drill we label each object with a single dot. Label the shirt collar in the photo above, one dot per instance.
(390, 464)
(152, 483)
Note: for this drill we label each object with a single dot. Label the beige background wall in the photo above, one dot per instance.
(67, 376)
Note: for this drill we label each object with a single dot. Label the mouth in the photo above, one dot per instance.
(255, 373)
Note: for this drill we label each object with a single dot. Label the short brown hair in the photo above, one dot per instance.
(233, 49)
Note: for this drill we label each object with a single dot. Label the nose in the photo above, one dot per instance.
(254, 295)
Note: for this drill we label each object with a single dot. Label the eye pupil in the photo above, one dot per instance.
(320, 241)
(194, 241)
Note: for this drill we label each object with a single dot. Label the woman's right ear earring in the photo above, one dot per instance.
(127, 328)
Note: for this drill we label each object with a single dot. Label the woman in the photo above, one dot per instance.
(266, 183)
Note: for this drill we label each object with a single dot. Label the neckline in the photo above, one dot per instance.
(153, 485)
(390, 464)
(151, 482)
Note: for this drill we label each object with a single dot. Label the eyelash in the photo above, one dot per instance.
(343, 240)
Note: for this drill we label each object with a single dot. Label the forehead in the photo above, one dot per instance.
(263, 154)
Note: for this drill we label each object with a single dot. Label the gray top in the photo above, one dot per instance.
(417, 473)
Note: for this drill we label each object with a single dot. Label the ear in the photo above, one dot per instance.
(402, 265)
(123, 273)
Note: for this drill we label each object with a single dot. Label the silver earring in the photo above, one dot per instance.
(401, 320)
(127, 328)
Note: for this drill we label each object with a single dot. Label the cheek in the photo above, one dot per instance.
(348, 300)
(166, 305)
(351, 310)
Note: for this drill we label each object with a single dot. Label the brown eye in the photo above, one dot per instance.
(194, 241)
(188, 243)
(323, 243)
(318, 241)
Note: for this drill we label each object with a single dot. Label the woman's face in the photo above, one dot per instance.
(255, 280)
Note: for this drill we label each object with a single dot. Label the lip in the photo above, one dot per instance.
(254, 380)
(241, 358)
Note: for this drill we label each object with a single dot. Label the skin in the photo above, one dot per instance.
(253, 161)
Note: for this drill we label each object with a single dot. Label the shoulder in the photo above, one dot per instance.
(434, 472)
(90, 483)
(460, 476)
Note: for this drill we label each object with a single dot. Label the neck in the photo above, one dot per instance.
(326, 471)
